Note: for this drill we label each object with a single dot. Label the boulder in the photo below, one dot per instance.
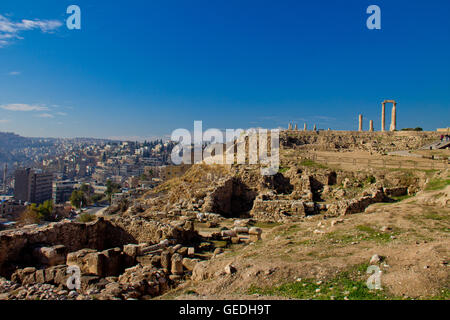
(177, 264)
(200, 271)
(241, 230)
(228, 233)
(255, 231)
(189, 263)
(230, 269)
(88, 260)
(375, 259)
(165, 260)
(106, 263)
(50, 256)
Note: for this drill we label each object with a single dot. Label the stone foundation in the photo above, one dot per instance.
(35, 246)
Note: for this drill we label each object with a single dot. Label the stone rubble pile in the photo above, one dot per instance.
(238, 235)
(136, 271)
(357, 205)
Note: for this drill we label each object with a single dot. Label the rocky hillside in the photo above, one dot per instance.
(379, 142)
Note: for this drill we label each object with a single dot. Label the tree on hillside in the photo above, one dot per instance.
(111, 188)
(46, 210)
(35, 214)
(30, 215)
(87, 189)
(77, 198)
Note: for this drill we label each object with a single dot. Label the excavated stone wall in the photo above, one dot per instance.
(352, 140)
(19, 246)
(231, 198)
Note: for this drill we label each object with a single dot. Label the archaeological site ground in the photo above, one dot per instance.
(345, 211)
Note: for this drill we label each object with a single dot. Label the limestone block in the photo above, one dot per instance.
(189, 263)
(228, 233)
(241, 230)
(50, 256)
(255, 230)
(165, 260)
(177, 264)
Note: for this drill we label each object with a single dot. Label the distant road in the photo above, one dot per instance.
(98, 211)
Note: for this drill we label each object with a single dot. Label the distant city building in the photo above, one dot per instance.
(99, 189)
(133, 182)
(11, 209)
(62, 190)
(32, 185)
(5, 171)
(172, 171)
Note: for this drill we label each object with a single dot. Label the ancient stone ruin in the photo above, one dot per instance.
(113, 258)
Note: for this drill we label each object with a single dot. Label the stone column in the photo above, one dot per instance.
(394, 117)
(296, 127)
(290, 126)
(315, 128)
(360, 126)
(383, 116)
(371, 125)
(304, 127)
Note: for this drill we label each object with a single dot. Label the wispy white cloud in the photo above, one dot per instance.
(14, 73)
(45, 115)
(5, 120)
(10, 30)
(61, 113)
(22, 107)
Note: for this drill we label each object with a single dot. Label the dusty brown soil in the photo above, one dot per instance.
(412, 237)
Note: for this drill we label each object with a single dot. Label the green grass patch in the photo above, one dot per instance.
(401, 198)
(371, 180)
(265, 225)
(311, 163)
(375, 235)
(220, 243)
(340, 237)
(434, 215)
(363, 233)
(290, 230)
(283, 170)
(350, 284)
(437, 184)
(443, 295)
(190, 292)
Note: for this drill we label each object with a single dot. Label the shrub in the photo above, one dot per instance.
(96, 198)
(412, 129)
(283, 170)
(45, 210)
(86, 217)
(371, 179)
(31, 216)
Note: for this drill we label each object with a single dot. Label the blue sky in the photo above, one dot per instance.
(145, 68)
